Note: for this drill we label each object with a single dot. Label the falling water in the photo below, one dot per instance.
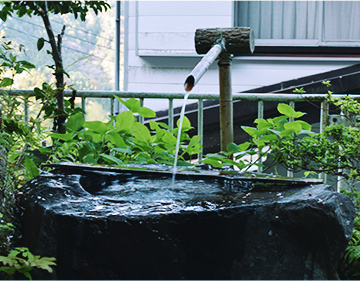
(179, 133)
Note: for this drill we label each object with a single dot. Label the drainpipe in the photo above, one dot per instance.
(117, 55)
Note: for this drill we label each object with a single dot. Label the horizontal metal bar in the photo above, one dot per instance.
(204, 96)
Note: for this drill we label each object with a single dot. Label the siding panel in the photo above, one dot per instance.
(166, 53)
(185, 8)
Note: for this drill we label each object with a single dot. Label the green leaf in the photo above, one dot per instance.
(8, 270)
(133, 105)
(12, 57)
(294, 126)
(96, 126)
(244, 146)
(64, 137)
(186, 125)
(251, 131)
(141, 133)
(39, 94)
(125, 121)
(276, 132)
(75, 122)
(287, 132)
(305, 132)
(44, 263)
(262, 123)
(117, 140)
(122, 150)
(31, 167)
(298, 114)
(215, 156)
(146, 112)
(213, 162)
(96, 137)
(304, 125)
(111, 159)
(232, 148)
(194, 145)
(27, 64)
(27, 275)
(286, 109)
(6, 82)
(120, 100)
(269, 138)
(40, 43)
(169, 139)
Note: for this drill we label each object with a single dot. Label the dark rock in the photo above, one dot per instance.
(294, 232)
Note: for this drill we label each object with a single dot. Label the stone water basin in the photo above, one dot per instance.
(111, 223)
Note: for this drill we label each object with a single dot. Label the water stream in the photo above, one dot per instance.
(179, 134)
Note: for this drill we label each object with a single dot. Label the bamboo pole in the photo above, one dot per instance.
(226, 101)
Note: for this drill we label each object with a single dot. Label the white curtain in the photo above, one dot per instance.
(341, 21)
(279, 19)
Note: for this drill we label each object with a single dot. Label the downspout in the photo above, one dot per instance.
(117, 55)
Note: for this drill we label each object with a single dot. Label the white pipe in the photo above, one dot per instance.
(117, 55)
(200, 69)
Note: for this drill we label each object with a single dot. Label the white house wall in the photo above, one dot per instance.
(161, 53)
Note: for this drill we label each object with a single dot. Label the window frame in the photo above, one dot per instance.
(305, 46)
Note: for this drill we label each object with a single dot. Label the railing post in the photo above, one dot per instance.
(201, 126)
(141, 118)
(288, 172)
(171, 114)
(26, 110)
(324, 121)
(260, 116)
(83, 101)
(112, 99)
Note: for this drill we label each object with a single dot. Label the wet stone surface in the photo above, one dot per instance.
(128, 225)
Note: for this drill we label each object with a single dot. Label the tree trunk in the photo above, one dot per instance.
(59, 70)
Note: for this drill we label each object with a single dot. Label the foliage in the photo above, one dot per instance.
(266, 138)
(334, 151)
(43, 9)
(16, 138)
(122, 140)
(88, 46)
(23, 261)
(14, 132)
(351, 262)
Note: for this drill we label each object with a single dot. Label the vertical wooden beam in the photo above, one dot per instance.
(226, 101)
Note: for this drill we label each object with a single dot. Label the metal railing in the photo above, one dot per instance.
(200, 97)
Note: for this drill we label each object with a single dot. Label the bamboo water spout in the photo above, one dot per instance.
(200, 69)
(221, 44)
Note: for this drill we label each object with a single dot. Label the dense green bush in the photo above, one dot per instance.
(17, 136)
(122, 140)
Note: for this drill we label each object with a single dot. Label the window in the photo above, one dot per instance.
(301, 23)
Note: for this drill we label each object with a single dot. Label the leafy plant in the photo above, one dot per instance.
(266, 138)
(122, 140)
(351, 262)
(23, 261)
(17, 136)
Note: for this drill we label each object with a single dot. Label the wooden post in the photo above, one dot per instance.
(226, 101)
(233, 42)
